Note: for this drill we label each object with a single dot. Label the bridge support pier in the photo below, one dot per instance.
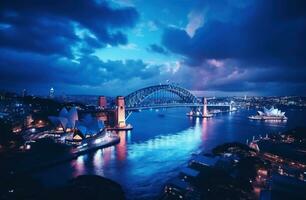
(205, 112)
(120, 112)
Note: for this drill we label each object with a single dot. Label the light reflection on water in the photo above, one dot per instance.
(79, 166)
(98, 161)
(153, 152)
(144, 165)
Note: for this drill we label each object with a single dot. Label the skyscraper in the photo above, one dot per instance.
(51, 93)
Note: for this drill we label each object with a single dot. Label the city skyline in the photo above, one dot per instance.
(222, 48)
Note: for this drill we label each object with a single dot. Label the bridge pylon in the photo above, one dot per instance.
(205, 112)
(120, 112)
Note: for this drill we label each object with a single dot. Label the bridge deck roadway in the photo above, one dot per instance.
(173, 105)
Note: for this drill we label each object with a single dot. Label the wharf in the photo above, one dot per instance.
(30, 164)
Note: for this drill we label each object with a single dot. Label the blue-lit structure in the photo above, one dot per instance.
(89, 126)
(65, 119)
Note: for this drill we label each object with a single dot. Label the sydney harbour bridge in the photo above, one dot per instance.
(161, 96)
(164, 96)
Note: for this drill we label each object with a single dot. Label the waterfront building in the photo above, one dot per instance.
(269, 114)
(76, 138)
(65, 120)
(83, 133)
(68, 121)
(89, 126)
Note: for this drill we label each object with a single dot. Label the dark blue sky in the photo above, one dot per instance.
(224, 47)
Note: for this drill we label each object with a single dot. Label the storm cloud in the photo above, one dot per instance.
(264, 30)
(264, 39)
(46, 43)
(224, 46)
(56, 27)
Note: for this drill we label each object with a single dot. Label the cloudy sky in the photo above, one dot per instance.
(224, 47)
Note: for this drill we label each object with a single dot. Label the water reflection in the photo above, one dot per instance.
(121, 147)
(79, 165)
(136, 163)
(129, 136)
(98, 161)
(204, 128)
(108, 154)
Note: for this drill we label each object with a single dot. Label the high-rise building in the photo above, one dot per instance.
(51, 93)
(102, 102)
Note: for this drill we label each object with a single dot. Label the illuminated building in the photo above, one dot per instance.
(81, 129)
(76, 138)
(89, 126)
(269, 114)
(51, 93)
(65, 120)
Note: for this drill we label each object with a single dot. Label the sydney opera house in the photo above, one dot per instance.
(66, 120)
(76, 129)
(269, 114)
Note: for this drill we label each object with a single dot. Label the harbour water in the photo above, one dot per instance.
(160, 144)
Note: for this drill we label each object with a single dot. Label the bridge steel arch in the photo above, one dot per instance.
(134, 99)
